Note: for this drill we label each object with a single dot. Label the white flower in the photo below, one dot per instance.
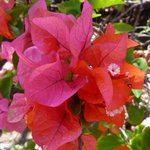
(114, 69)
(114, 112)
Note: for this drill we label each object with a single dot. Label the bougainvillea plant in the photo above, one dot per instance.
(69, 81)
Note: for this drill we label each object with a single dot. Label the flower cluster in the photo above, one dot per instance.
(67, 79)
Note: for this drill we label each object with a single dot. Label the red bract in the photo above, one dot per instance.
(6, 5)
(87, 142)
(122, 147)
(71, 145)
(104, 64)
(5, 18)
(52, 127)
(107, 51)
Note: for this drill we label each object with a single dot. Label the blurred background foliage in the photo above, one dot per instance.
(132, 16)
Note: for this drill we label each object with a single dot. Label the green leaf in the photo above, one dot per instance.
(75, 105)
(69, 76)
(130, 56)
(17, 11)
(139, 129)
(141, 63)
(18, 87)
(97, 4)
(95, 15)
(137, 93)
(146, 30)
(129, 133)
(15, 30)
(146, 139)
(136, 115)
(15, 60)
(48, 2)
(123, 27)
(109, 142)
(106, 124)
(136, 142)
(70, 7)
(6, 83)
(29, 145)
(94, 129)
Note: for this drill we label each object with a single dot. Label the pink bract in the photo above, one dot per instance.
(47, 85)
(18, 108)
(7, 5)
(4, 123)
(42, 40)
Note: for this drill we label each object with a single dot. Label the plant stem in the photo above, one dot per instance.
(80, 143)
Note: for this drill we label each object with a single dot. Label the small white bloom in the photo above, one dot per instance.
(6, 1)
(8, 66)
(114, 69)
(114, 112)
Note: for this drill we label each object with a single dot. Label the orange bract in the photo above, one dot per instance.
(110, 36)
(98, 113)
(5, 29)
(137, 75)
(89, 142)
(121, 92)
(70, 146)
(122, 147)
(90, 93)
